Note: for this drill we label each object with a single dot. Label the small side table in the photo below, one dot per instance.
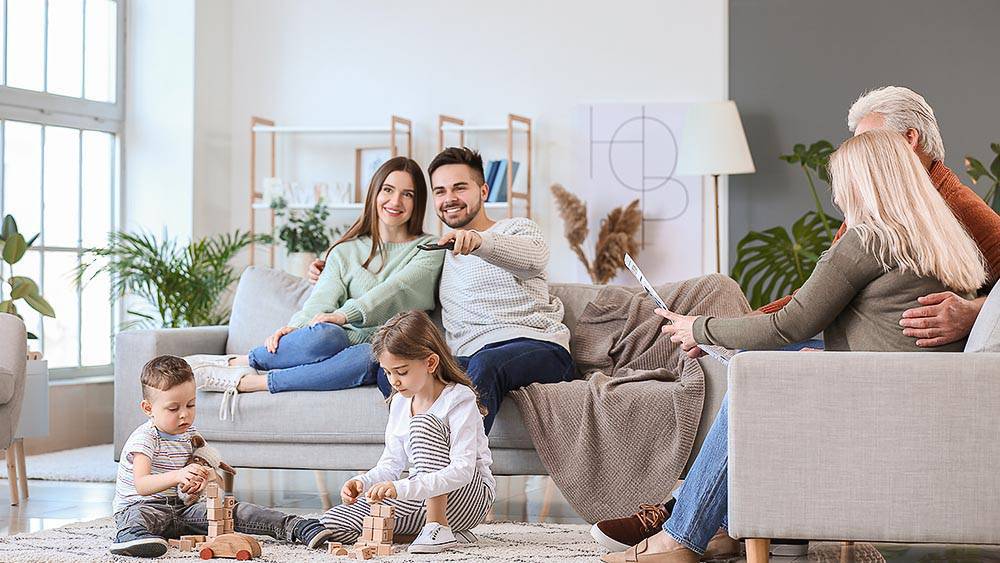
(34, 423)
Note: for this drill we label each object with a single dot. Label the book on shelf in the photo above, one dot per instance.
(498, 182)
(491, 172)
(498, 192)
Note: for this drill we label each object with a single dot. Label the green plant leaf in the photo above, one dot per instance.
(21, 286)
(7, 306)
(32, 240)
(974, 169)
(31, 335)
(995, 147)
(14, 248)
(39, 304)
(995, 169)
(9, 227)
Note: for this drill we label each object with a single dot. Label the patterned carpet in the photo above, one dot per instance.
(498, 541)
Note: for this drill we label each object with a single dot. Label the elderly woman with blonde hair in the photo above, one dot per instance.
(902, 242)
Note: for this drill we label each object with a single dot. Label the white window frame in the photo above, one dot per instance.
(44, 108)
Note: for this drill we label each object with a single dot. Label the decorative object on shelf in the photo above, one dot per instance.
(12, 248)
(977, 172)
(305, 234)
(179, 285)
(342, 192)
(616, 237)
(773, 263)
(713, 144)
(271, 189)
(366, 161)
(399, 131)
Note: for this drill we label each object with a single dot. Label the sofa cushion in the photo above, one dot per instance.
(349, 416)
(985, 335)
(575, 297)
(265, 300)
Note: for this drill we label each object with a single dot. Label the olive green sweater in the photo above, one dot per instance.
(849, 297)
(369, 297)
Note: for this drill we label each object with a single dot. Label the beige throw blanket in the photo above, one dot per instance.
(622, 436)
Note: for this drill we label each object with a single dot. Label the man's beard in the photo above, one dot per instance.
(461, 221)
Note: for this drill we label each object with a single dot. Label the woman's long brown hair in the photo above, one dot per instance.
(413, 336)
(367, 224)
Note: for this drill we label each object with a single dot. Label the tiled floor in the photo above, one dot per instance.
(55, 503)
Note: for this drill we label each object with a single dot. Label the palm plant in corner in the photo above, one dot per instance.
(178, 285)
(616, 237)
(13, 245)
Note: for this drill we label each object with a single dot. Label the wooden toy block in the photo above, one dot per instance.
(336, 548)
(187, 545)
(229, 513)
(368, 534)
(195, 539)
(382, 510)
(174, 543)
(229, 528)
(213, 502)
(230, 502)
(217, 514)
(362, 553)
(215, 529)
(212, 490)
(379, 523)
(384, 549)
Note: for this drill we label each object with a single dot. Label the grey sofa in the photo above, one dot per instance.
(338, 430)
(860, 446)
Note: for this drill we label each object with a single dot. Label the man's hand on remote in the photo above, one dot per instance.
(466, 242)
(315, 269)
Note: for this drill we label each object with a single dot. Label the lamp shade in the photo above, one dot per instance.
(713, 141)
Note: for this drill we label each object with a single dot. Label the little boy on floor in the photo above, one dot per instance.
(155, 464)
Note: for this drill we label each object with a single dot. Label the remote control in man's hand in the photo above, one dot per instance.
(450, 245)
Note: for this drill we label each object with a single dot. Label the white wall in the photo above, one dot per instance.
(343, 62)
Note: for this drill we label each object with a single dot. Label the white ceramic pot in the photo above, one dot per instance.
(297, 263)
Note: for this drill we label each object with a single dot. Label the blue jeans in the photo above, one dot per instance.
(172, 519)
(501, 367)
(703, 500)
(314, 358)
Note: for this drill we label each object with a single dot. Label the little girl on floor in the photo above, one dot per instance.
(436, 429)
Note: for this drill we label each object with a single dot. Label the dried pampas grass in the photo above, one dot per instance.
(616, 237)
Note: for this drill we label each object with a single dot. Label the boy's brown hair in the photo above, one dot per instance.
(163, 373)
(413, 336)
(460, 155)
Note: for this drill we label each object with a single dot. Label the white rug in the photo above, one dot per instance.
(498, 541)
(93, 464)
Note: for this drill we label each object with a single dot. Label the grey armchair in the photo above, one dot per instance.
(13, 354)
(862, 446)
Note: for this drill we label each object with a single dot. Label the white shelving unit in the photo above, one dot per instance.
(398, 127)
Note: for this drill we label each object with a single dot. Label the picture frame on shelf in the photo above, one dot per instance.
(366, 161)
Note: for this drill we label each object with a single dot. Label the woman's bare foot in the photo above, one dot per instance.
(252, 382)
(243, 361)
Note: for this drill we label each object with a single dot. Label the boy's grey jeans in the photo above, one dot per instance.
(172, 518)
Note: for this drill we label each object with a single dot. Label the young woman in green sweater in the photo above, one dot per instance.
(373, 272)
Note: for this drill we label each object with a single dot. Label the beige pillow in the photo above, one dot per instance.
(985, 336)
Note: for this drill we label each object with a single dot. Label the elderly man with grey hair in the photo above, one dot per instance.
(942, 318)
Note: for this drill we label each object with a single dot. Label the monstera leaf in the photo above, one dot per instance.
(773, 263)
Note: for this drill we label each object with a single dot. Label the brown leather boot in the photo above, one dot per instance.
(618, 534)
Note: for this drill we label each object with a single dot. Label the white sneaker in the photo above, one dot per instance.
(466, 536)
(199, 360)
(222, 379)
(433, 538)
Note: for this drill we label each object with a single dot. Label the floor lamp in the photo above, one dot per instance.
(713, 143)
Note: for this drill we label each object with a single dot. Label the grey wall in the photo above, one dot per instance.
(797, 65)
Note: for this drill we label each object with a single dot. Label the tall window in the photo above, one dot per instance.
(60, 126)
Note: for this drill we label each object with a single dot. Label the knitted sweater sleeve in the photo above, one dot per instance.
(330, 289)
(519, 248)
(840, 274)
(411, 287)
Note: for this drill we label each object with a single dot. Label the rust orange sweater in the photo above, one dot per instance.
(979, 219)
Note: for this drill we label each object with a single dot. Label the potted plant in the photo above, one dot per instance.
(21, 288)
(179, 285)
(991, 177)
(773, 263)
(305, 234)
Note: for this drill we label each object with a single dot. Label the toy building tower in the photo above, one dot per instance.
(220, 511)
(377, 529)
